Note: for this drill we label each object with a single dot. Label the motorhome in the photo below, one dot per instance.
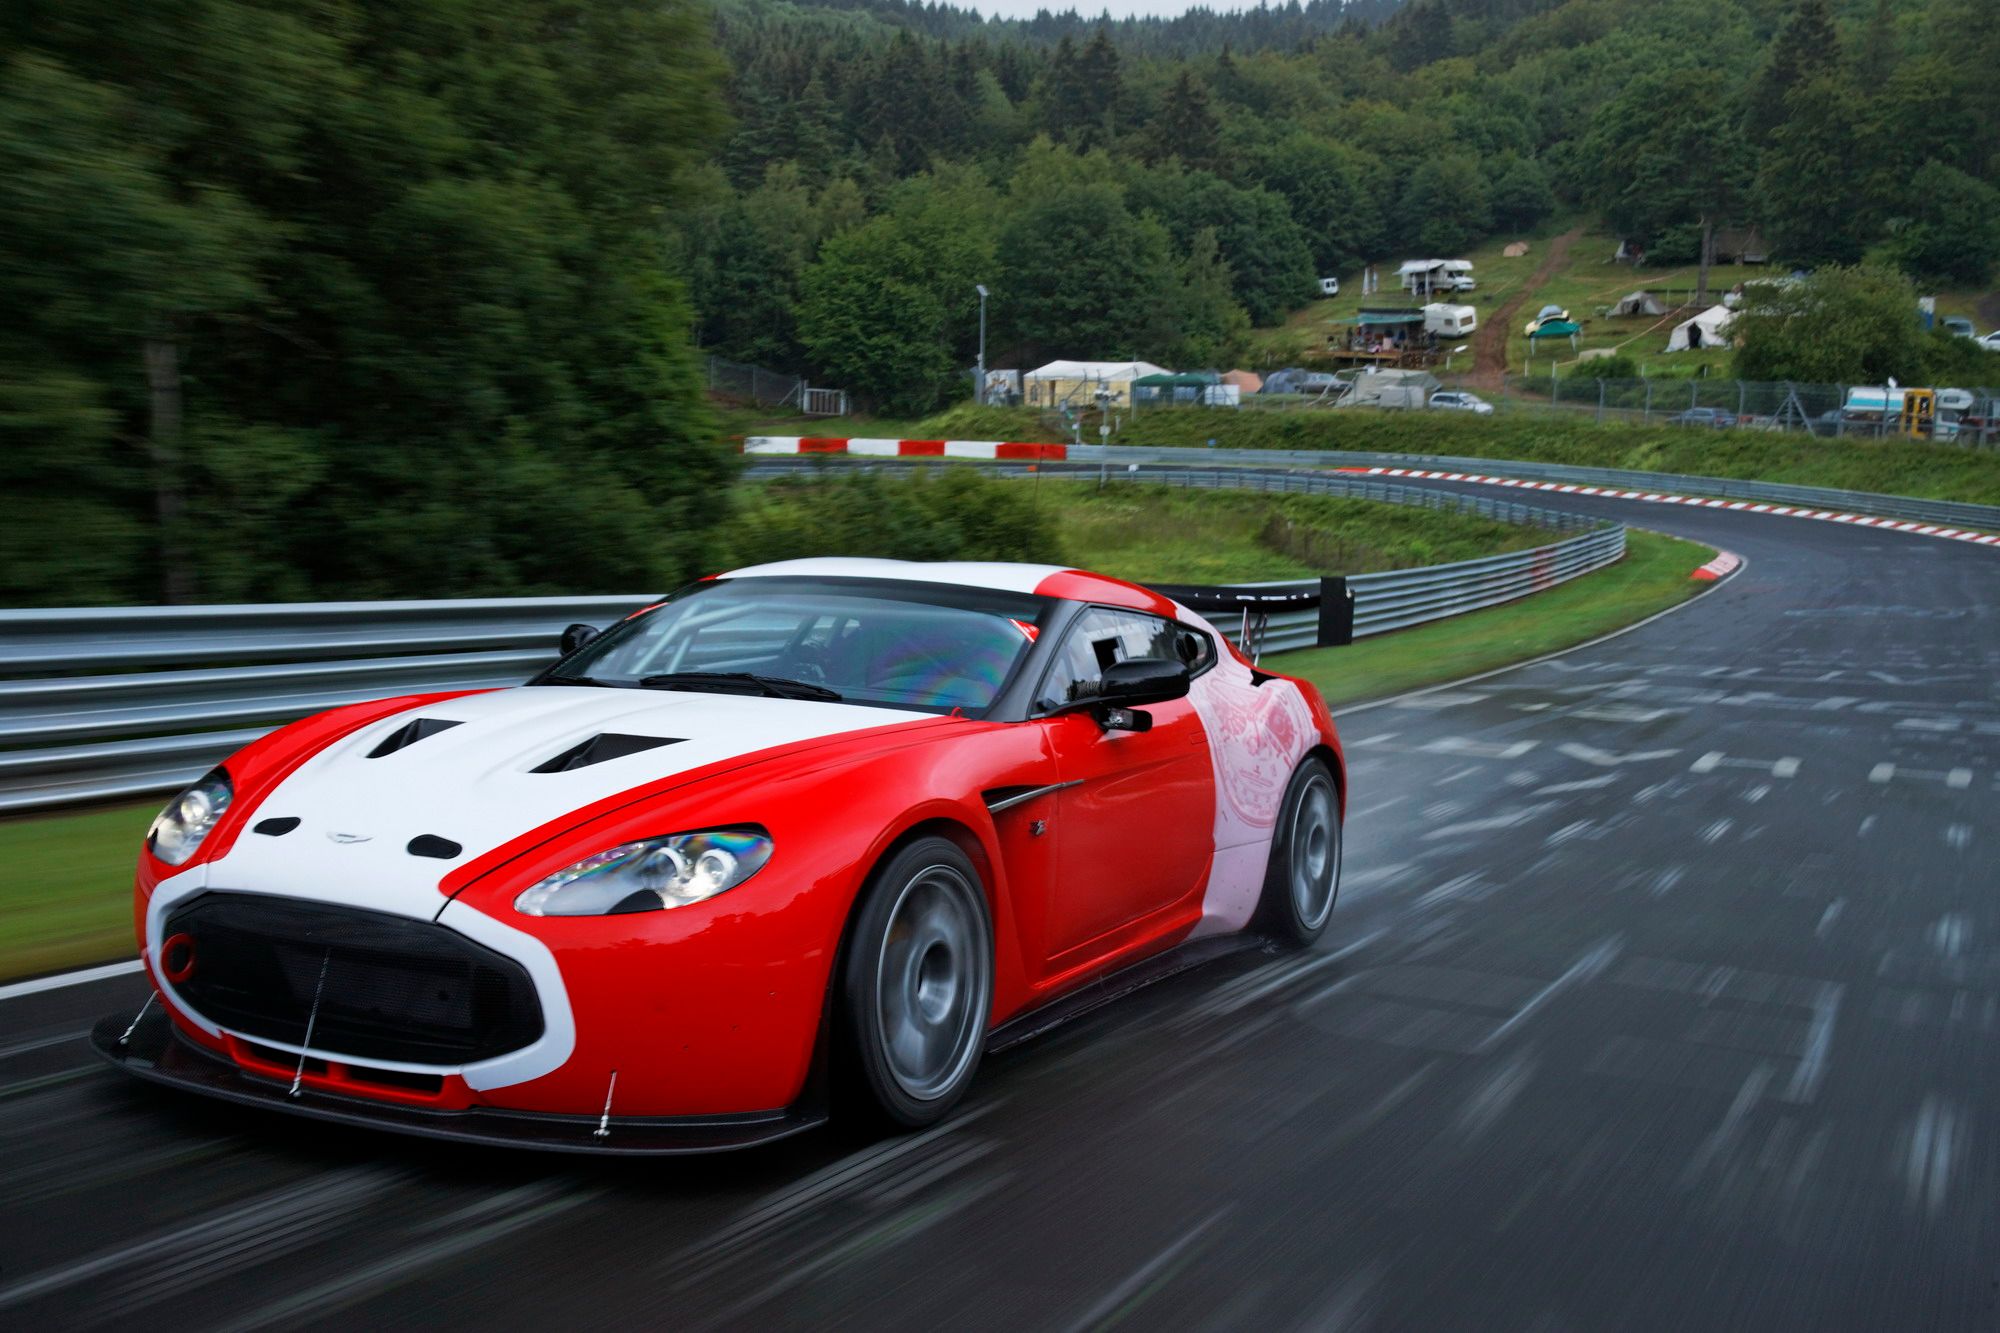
(1424, 276)
(1894, 410)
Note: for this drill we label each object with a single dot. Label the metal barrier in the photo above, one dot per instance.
(99, 703)
(1951, 512)
(120, 701)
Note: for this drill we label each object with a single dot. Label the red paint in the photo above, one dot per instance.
(822, 446)
(1077, 586)
(920, 448)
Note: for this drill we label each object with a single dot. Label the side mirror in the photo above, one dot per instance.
(1129, 685)
(576, 636)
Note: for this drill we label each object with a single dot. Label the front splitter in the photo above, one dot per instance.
(155, 1052)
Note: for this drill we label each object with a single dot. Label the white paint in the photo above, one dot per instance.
(1586, 784)
(1829, 918)
(997, 574)
(1592, 961)
(1511, 819)
(1778, 768)
(1590, 754)
(82, 977)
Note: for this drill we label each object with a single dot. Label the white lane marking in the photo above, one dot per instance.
(1508, 820)
(24, 1047)
(1779, 768)
(1593, 960)
(1590, 754)
(62, 979)
(1113, 1301)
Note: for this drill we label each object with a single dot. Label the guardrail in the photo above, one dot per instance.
(99, 703)
(1954, 513)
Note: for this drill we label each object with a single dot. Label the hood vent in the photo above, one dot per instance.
(599, 748)
(403, 737)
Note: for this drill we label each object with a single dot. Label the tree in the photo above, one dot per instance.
(1806, 48)
(1203, 324)
(1326, 189)
(1520, 196)
(1185, 128)
(1446, 201)
(281, 268)
(889, 310)
(1953, 231)
(1810, 186)
(1668, 162)
(1838, 325)
(1080, 275)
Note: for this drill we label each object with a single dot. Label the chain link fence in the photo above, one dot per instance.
(770, 388)
(1968, 417)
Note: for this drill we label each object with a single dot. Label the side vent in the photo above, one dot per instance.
(403, 737)
(430, 844)
(600, 748)
(275, 828)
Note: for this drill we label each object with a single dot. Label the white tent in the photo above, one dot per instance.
(1708, 329)
(1112, 372)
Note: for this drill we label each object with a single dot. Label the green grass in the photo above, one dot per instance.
(1303, 335)
(1892, 467)
(67, 897)
(1653, 576)
(1155, 534)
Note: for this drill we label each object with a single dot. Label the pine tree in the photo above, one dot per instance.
(1185, 128)
(1805, 48)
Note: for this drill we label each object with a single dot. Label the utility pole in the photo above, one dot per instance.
(980, 393)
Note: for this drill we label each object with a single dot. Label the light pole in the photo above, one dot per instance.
(980, 287)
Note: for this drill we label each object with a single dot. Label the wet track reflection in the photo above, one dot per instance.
(1661, 992)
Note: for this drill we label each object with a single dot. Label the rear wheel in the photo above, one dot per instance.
(917, 985)
(1304, 875)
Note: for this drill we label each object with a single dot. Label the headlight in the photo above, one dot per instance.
(647, 876)
(179, 829)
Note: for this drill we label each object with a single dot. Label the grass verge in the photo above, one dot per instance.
(1652, 577)
(1892, 467)
(67, 899)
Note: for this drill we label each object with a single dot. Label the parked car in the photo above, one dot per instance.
(1961, 326)
(1548, 313)
(1712, 417)
(1991, 342)
(1459, 401)
(1329, 286)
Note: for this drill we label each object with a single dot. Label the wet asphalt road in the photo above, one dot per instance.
(1663, 992)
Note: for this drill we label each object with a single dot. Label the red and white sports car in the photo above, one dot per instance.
(809, 832)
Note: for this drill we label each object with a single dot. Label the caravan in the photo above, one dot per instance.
(1450, 321)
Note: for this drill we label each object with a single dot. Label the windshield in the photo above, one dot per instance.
(931, 647)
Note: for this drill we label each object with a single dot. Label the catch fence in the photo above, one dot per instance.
(1969, 417)
(770, 388)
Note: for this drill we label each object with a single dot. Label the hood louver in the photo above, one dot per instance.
(403, 737)
(600, 748)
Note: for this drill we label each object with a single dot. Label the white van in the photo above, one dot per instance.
(1329, 286)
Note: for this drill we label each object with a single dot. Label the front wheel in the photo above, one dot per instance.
(1304, 874)
(917, 985)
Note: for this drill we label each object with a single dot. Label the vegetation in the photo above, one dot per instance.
(359, 299)
(1653, 577)
(1895, 467)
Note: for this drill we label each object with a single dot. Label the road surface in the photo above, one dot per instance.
(1663, 992)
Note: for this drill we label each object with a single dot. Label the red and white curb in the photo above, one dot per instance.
(1724, 564)
(1691, 501)
(988, 449)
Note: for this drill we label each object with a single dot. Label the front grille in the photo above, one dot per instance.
(389, 988)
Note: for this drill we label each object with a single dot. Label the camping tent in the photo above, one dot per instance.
(1168, 387)
(1075, 383)
(1639, 303)
(1392, 388)
(1556, 328)
(1247, 381)
(1516, 250)
(1708, 329)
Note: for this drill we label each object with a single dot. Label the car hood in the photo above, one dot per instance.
(476, 783)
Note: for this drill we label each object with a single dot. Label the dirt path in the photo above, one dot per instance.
(1489, 344)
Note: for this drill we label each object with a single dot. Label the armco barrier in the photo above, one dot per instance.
(99, 703)
(1953, 512)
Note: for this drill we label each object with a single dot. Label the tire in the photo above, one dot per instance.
(1304, 876)
(916, 987)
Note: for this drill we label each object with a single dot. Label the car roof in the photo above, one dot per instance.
(1074, 585)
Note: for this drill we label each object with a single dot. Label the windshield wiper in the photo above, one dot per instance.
(740, 682)
(584, 680)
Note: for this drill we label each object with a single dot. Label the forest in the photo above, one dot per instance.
(357, 298)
